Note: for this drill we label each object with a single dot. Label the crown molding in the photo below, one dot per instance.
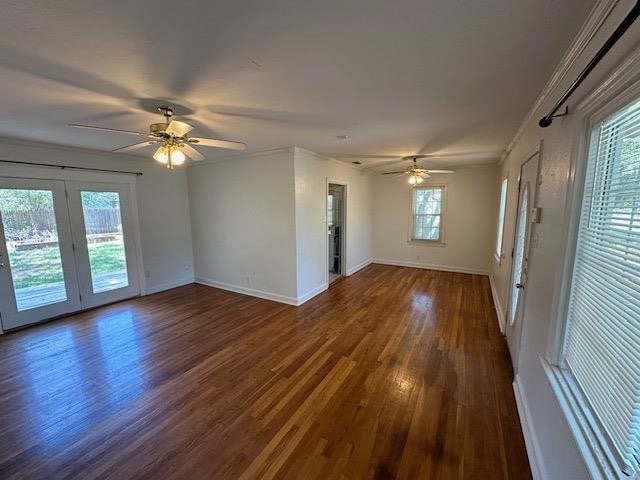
(330, 159)
(20, 142)
(596, 18)
(311, 152)
(238, 156)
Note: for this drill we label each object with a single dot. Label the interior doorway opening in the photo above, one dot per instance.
(335, 230)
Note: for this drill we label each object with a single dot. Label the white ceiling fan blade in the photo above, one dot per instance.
(116, 130)
(424, 175)
(178, 129)
(212, 142)
(135, 146)
(440, 171)
(192, 153)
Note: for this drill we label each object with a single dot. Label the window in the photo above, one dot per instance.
(427, 213)
(501, 212)
(602, 341)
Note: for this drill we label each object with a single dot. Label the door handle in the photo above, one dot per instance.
(519, 285)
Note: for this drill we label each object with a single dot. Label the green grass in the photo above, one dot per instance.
(42, 266)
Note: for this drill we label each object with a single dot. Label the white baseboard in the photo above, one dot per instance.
(248, 291)
(497, 304)
(430, 266)
(312, 293)
(530, 438)
(360, 266)
(167, 286)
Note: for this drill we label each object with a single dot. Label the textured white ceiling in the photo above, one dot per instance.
(398, 77)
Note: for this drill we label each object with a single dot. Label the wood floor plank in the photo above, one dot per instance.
(392, 373)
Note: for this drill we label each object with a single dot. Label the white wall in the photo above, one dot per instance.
(469, 221)
(163, 206)
(243, 224)
(550, 441)
(312, 172)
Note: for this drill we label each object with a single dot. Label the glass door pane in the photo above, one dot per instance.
(105, 241)
(518, 258)
(31, 238)
(105, 236)
(37, 268)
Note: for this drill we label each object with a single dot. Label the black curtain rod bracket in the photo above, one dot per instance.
(611, 41)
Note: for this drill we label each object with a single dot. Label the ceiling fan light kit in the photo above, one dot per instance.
(415, 179)
(169, 155)
(172, 135)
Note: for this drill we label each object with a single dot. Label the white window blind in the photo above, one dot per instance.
(501, 212)
(602, 349)
(427, 213)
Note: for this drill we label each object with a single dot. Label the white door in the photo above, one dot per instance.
(37, 268)
(105, 246)
(527, 190)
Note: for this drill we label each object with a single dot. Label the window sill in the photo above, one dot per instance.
(426, 243)
(593, 448)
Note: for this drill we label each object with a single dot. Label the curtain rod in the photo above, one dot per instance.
(611, 41)
(68, 167)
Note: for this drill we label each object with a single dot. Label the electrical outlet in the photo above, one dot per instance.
(147, 274)
(248, 280)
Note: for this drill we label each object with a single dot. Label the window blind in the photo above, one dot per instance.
(501, 212)
(602, 349)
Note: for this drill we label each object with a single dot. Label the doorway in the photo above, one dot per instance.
(527, 188)
(64, 246)
(335, 230)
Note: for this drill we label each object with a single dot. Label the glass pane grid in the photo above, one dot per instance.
(427, 217)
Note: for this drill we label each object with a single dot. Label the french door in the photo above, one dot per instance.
(64, 246)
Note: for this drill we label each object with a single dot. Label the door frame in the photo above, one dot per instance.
(343, 235)
(537, 151)
(39, 172)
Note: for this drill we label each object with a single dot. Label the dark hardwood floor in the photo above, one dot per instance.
(392, 373)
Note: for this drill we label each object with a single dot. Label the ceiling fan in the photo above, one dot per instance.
(172, 136)
(416, 172)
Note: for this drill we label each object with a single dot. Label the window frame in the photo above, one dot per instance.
(443, 205)
(502, 216)
(617, 91)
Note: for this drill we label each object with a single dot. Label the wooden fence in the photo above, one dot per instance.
(37, 226)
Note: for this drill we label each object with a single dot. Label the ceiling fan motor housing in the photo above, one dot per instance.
(158, 128)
